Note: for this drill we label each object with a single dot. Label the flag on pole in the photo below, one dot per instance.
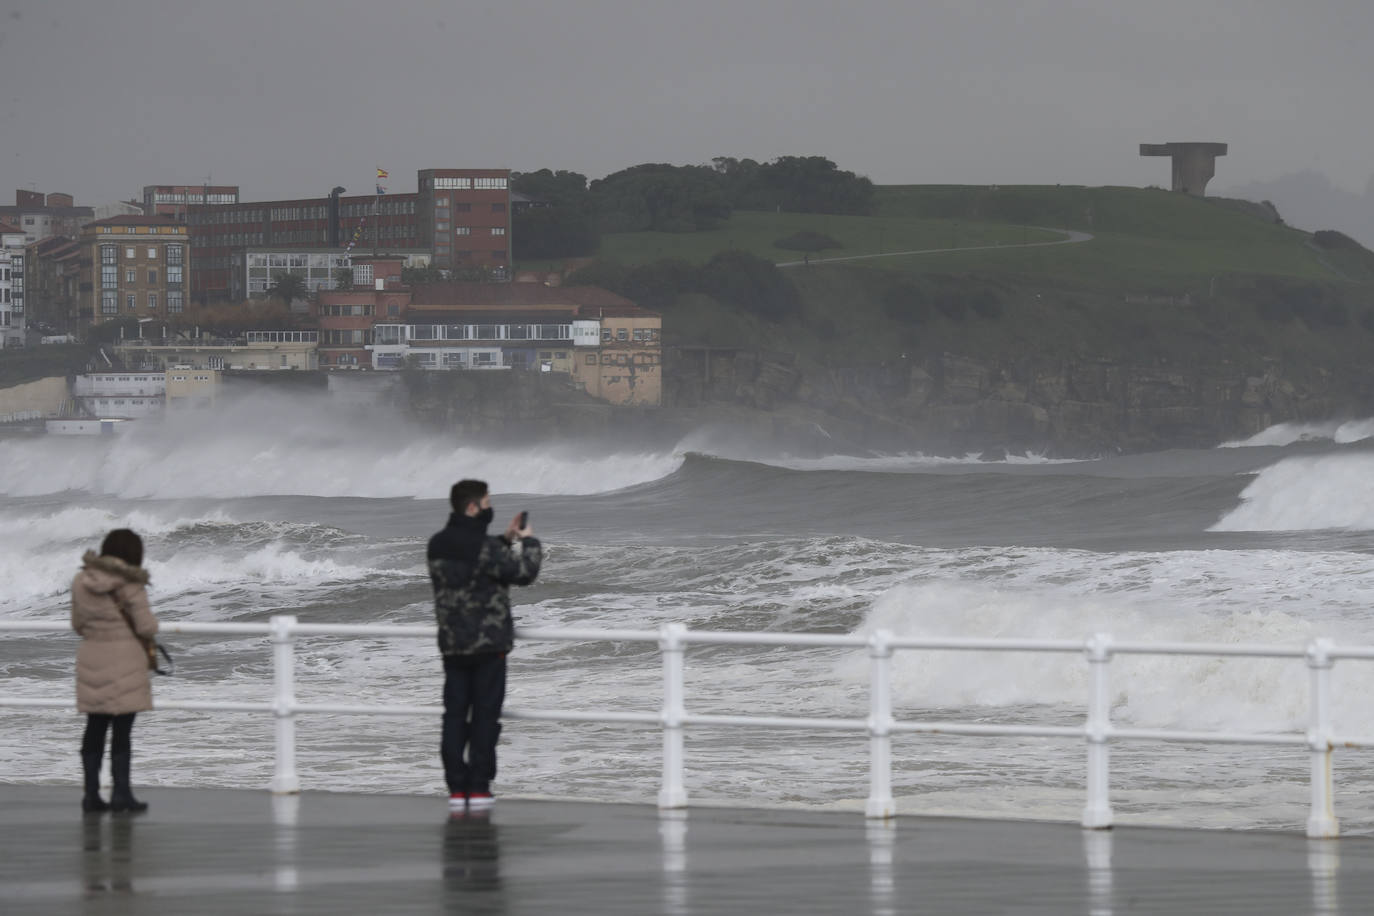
(382, 173)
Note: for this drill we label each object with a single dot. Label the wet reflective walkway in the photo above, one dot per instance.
(225, 851)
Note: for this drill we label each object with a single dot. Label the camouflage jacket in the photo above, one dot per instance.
(472, 575)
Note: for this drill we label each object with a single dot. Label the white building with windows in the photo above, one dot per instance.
(257, 269)
(475, 341)
(11, 285)
(256, 350)
(125, 395)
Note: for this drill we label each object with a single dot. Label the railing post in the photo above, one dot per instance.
(284, 778)
(1321, 820)
(1097, 812)
(880, 726)
(673, 793)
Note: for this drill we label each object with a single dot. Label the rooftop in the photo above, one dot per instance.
(590, 299)
(138, 219)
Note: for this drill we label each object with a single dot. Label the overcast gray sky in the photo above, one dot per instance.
(287, 98)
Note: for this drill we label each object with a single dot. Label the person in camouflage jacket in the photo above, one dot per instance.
(472, 573)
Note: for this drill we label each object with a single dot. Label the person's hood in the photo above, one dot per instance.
(103, 574)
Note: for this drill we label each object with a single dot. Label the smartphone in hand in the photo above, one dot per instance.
(522, 520)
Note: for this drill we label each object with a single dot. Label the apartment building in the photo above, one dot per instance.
(175, 200)
(132, 267)
(40, 216)
(254, 350)
(12, 321)
(52, 282)
(458, 217)
(606, 344)
(255, 270)
(346, 316)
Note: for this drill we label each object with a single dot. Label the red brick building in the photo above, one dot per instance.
(176, 199)
(461, 216)
(346, 317)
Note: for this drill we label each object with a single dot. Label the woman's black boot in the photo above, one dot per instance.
(91, 802)
(122, 799)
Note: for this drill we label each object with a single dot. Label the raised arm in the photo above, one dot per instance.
(513, 567)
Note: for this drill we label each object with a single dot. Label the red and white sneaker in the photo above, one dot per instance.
(458, 801)
(480, 801)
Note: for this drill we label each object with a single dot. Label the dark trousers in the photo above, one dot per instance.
(474, 689)
(93, 741)
(93, 749)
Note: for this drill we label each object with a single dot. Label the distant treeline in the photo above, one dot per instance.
(569, 214)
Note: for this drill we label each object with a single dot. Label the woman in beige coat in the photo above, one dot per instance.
(110, 611)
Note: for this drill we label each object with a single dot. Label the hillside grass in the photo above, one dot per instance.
(755, 232)
(1167, 280)
(1144, 239)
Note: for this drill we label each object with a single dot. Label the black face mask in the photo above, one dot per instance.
(484, 516)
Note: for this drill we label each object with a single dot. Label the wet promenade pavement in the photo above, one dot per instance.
(225, 851)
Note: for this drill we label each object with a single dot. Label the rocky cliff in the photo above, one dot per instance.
(953, 403)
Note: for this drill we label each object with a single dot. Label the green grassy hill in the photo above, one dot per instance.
(1166, 278)
(1141, 236)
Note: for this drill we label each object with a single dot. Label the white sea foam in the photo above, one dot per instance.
(1307, 493)
(899, 463)
(1338, 431)
(256, 447)
(1150, 691)
(41, 551)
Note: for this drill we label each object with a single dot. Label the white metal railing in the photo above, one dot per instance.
(672, 640)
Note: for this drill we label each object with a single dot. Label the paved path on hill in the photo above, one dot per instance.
(222, 851)
(1074, 237)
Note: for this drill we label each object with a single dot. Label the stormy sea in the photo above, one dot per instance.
(262, 509)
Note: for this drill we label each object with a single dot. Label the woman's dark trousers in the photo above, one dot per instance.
(474, 689)
(121, 757)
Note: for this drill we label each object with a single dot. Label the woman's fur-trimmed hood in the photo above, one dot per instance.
(115, 567)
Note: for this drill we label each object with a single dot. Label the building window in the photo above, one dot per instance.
(489, 183)
(174, 254)
(498, 230)
(606, 335)
(152, 278)
(174, 301)
(362, 275)
(109, 275)
(130, 301)
(152, 252)
(109, 254)
(174, 275)
(591, 359)
(130, 253)
(130, 276)
(621, 334)
(152, 301)
(462, 230)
